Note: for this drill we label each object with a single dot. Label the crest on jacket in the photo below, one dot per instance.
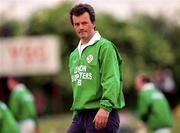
(89, 58)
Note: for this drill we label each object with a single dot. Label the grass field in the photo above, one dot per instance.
(176, 127)
(55, 124)
(60, 123)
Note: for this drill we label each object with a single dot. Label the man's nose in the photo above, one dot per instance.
(81, 26)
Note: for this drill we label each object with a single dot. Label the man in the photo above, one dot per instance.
(153, 108)
(7, 122)
(95, 69)
(22, 105)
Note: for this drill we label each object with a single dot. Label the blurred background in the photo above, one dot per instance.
(36, 38)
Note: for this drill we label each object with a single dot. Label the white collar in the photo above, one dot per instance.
(94, 39)
(148, 86)
(19, 87)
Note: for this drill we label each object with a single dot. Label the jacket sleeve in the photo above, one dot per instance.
(13, 105)
(110, 76)
(144, 106)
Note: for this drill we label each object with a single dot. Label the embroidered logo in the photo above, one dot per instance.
(89, 58)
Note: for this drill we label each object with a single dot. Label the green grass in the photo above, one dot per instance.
(176, 127)
(60, 123)
(55, 124)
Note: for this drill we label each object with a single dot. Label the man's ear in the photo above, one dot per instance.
(94, 23)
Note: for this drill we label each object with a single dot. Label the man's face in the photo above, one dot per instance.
(10, 84)
(84, 27)
(138, 83)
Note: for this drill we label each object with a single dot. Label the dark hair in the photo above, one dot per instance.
(79, 9)
(145, 78)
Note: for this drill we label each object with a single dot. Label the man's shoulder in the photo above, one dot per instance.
(105, 41)
(73, 55)
(19, 92)
(3, 106)
(108, 45)
(74, 52)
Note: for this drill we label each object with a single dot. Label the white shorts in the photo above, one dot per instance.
(27, 126)
(163, 130)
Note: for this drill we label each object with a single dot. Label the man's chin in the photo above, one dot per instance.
(82, 37)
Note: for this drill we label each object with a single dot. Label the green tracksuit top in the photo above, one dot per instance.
(96, 76)
(22, 104)
(154, 108)
(7, 121)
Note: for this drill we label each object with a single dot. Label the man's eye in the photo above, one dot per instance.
(84, 23)
(76, 24)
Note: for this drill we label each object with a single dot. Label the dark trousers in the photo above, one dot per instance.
(83, 123)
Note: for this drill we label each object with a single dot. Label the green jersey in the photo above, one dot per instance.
(22, 103)
(7, 121)
(154, 108)
(96, 76)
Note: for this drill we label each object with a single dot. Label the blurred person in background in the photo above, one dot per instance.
(8, 123)
(22, 105)
(95, 69)
(164, 80)
(153, 107)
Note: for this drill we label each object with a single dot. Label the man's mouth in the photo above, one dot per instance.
(82, 31)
